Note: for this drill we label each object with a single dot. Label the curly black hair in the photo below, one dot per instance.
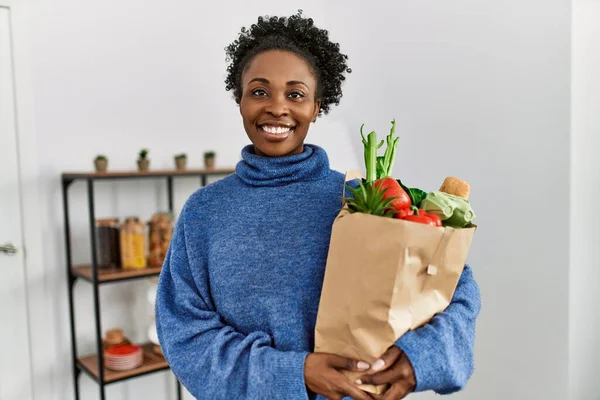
(295, 34)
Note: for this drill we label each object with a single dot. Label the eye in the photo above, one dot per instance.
(259, 92)
(296, 95)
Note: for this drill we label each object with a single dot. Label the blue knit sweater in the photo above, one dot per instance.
(239, 291)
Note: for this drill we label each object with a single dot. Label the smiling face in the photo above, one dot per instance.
(278, 102)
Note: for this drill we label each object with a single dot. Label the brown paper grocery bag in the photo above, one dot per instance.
(383, 277)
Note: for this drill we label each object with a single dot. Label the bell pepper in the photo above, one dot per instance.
(391, 189)
(436, 220)
(420, 217)
(423, 217)
(405, 212)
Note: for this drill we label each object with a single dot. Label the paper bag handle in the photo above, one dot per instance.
(349, 176)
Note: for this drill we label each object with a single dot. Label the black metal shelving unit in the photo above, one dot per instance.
(92, 364)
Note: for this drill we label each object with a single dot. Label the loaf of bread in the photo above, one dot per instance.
(456, 186)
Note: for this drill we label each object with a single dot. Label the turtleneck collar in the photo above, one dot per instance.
(310, 165)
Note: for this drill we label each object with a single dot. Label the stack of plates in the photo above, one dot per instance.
(123, 357)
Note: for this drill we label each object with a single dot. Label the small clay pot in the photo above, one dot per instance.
(209, 162)
(101, 164)
(143, 164)
(180, 163)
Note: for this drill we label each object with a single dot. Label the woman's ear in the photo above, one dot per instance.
(316, 110)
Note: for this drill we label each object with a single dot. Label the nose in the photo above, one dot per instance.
(277, 106)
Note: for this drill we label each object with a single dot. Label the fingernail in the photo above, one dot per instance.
(362, 365)
(377, 365)
(358, 382)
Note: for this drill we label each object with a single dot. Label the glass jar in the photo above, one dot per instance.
(160, 230)
(108, 252)
(133, 243)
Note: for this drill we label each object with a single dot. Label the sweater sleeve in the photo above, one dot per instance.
(211, 359)
(441, 352)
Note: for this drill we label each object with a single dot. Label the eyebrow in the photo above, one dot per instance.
(266, 81)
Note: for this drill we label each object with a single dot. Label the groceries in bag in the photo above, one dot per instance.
(395, 257)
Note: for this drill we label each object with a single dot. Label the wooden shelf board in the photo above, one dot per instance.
(150, 173)
(152, 362)
(115, 274)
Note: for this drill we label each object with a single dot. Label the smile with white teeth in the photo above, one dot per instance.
(277, 130)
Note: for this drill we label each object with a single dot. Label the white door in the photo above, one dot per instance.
(15, 365)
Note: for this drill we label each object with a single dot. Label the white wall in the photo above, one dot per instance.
(480, 89)
(584, 321)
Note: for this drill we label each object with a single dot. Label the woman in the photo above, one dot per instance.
(239, 291)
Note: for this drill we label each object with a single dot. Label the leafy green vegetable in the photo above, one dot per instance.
(406, 189)
(416, 195)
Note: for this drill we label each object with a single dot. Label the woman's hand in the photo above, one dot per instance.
(393, 368)
(322, 376)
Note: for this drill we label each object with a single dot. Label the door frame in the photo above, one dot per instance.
(41, 339)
